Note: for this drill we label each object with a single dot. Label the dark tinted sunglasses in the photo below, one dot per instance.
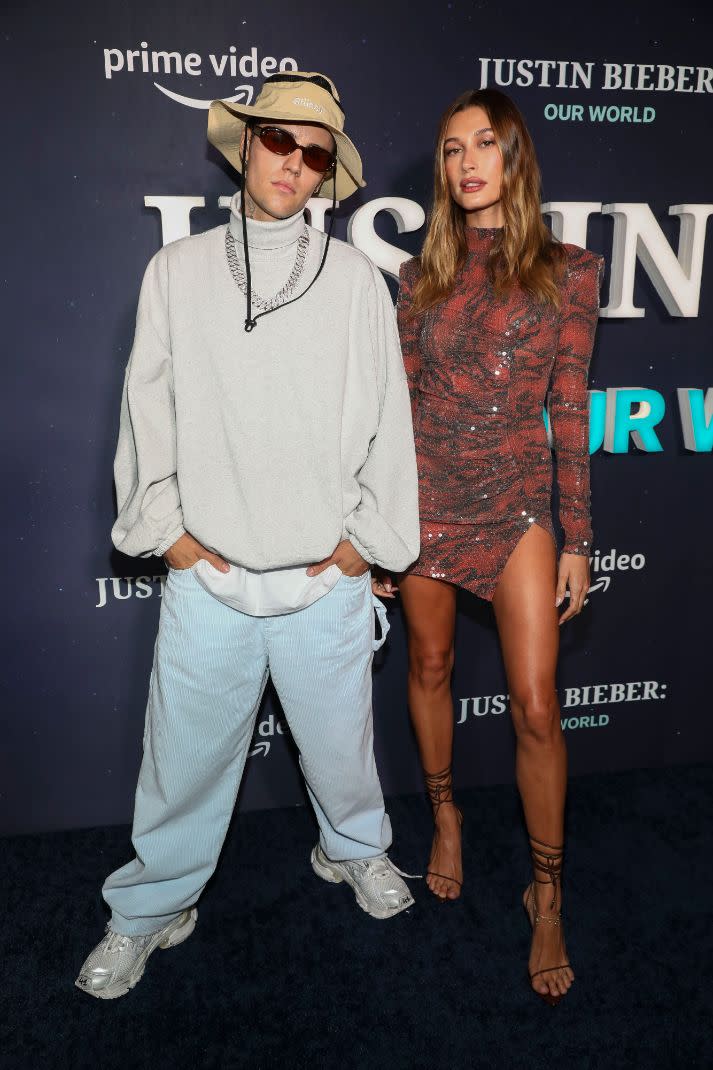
(281, 142)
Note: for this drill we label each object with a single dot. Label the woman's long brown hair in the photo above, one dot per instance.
(525, 251)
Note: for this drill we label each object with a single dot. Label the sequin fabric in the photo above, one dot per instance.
(479, 369)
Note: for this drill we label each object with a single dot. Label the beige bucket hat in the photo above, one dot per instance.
(296, 97)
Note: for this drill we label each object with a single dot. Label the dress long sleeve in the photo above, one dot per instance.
(409, 332)
(569, 402)
(384, 526)
(150, 517)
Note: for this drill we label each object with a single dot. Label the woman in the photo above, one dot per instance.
(491, 314)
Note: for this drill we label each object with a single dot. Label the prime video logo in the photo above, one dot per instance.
(602, 565)
(146, 60)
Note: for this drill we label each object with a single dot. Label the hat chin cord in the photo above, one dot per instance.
(250, 320)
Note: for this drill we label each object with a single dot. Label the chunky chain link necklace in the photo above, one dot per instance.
(238, 273)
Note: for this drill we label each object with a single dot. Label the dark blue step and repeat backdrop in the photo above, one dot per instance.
(106, 158)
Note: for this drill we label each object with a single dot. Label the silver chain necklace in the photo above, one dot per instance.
(238, 273)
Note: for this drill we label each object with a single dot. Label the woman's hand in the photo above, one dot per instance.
(186, 551)
(347, 559)
(382, 585)
(573, 575)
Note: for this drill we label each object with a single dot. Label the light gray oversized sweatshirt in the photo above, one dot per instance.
(269, 447)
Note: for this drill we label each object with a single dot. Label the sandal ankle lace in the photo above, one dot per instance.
(439, 787)
(550, 864)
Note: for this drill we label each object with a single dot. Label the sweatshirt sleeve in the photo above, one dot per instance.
(384, 526)
(150, 518)
(569, 403)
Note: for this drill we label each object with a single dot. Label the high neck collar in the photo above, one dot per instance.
(267, 236)
(477, 236)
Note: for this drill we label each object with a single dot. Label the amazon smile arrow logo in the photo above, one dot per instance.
(263, 747)
(243, 93)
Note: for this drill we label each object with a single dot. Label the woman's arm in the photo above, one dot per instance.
(569, 414)
(409, 332)
(569, 402)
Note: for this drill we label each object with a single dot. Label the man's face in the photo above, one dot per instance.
(280, 186)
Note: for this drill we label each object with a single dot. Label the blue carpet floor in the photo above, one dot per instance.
(285, 971)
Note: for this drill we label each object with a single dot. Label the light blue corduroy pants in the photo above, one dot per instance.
(210, 668)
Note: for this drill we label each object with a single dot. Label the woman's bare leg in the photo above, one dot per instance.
(527, 620)
(430, 608)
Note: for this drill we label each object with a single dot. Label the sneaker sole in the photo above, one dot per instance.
(170, 939)
(328, 872)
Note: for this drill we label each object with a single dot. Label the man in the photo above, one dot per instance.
(266, 450)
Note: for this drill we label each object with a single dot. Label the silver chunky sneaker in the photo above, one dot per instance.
(377, 882)
(118, 962)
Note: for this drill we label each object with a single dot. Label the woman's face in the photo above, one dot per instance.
(474, 167)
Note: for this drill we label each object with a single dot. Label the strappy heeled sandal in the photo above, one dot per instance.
(551, 864)
(439, 787)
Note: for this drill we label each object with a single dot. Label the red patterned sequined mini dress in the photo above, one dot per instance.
(479, 368)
